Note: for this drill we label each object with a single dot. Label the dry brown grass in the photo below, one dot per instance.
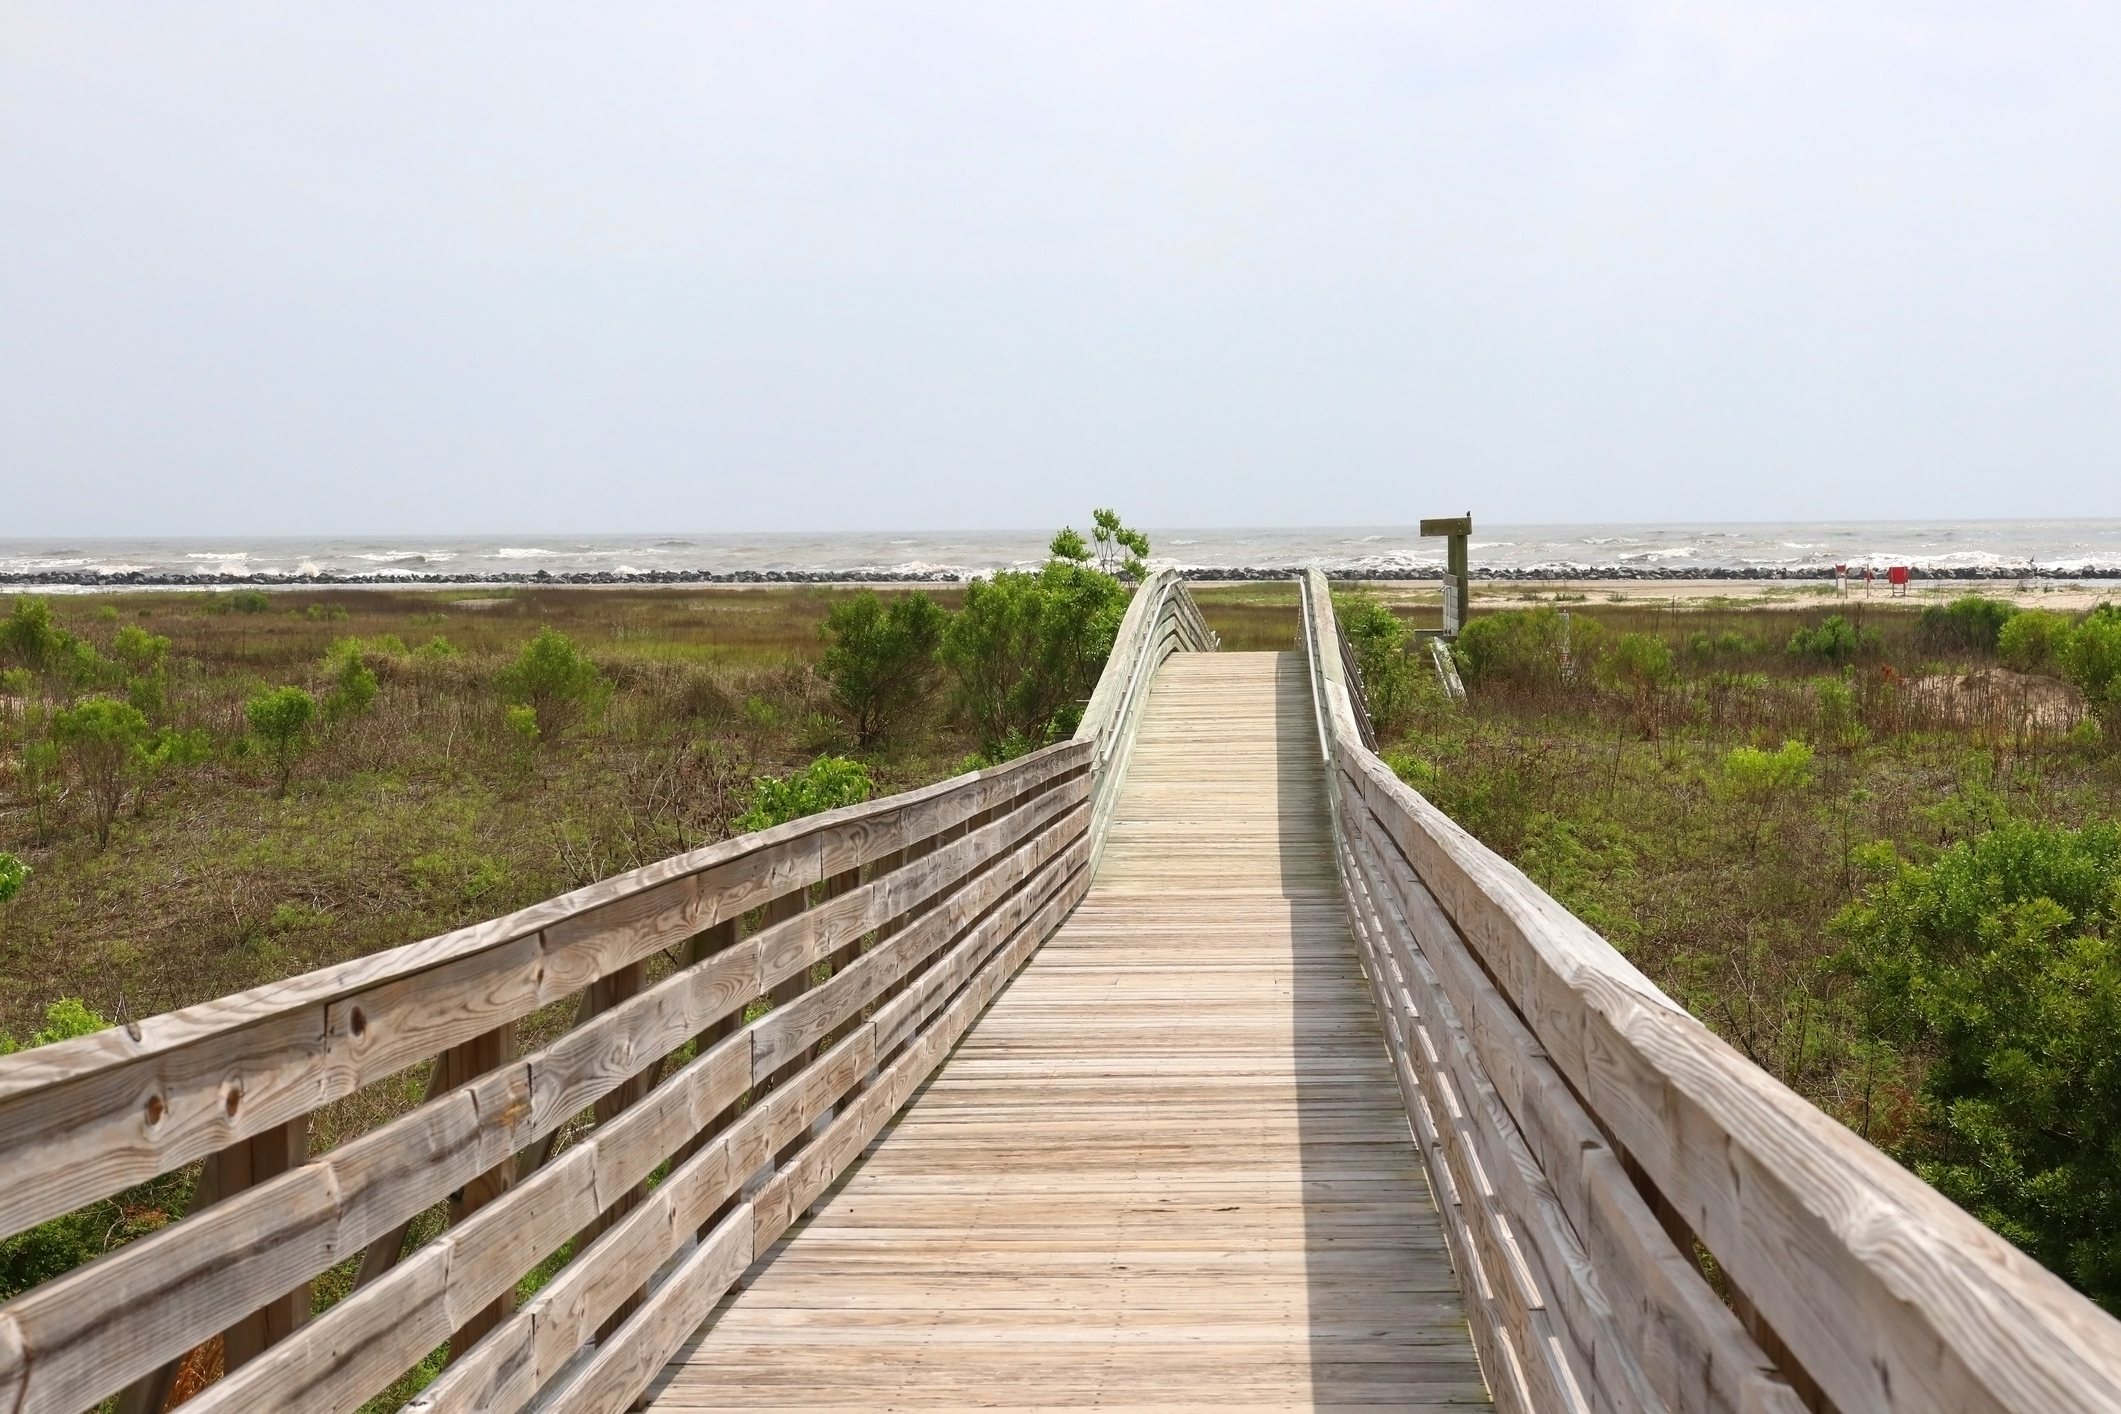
(423, 814)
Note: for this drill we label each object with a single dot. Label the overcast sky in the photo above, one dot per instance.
(448, 268)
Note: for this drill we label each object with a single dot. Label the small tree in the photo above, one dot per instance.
(1119, 550)
(1116, 549)
(1025, 651)
(281, 717)
(100, 739)
(1391, 681)
(880, 659)
(553, 678)
(2091, 659)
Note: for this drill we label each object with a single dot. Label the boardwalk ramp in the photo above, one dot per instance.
(1167, 1168)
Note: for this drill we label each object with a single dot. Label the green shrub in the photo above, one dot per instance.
(1752, 774)
(326, 613)
(1523, 647)
(554, 679)
(2032, 640)
(1025, 651)
(353, 682)
(1721, 647)
(141, 652)
(1638, 662)
(100, 739)
(64, 1020)
(1997, 971)
(1834, 641)
(880, 659)
(1763, 780)
(30, 638)
(2091, 660)
(249, 601)
(827, 783)
(13, 875)
(1392, 680)
(1589, 868)
(281, 718)
(1969, 624)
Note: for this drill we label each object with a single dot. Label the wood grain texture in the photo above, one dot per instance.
(1166, 1169)
(84, 1118)
(1887, 1295)
(255, 1247)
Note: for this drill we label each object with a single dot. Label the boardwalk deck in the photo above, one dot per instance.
(1168, 1169)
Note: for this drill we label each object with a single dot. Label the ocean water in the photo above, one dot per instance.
(2051, 547)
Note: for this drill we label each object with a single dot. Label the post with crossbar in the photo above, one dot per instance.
(1457, 597)
(1457, 577)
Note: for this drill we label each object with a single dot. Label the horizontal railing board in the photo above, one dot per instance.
(258, 1242)
(611, 1379)
(535, 1347)
(93, 1115)
(1879, 1285)
(317, 1370)
(1650, 1312)
(1888, 1295)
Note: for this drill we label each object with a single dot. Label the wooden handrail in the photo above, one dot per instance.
(924, 903)
(1584, 1133)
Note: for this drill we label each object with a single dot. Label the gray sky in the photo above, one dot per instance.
(434, 267)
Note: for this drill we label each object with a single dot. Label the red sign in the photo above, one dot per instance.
(1896, 575)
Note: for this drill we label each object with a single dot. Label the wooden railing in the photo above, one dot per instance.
(1162, 619)
(878, 932)
(1591, 1143)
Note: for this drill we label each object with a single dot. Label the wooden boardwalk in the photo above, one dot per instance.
(1168, 1169)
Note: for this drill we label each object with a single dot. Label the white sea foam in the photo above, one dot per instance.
(2052, 546)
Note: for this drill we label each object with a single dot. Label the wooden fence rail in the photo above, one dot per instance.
(879, 931)
(1590, 1141)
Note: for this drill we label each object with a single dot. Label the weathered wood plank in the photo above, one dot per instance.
(531, 1222)
(90, 1116)
(1885, 1293)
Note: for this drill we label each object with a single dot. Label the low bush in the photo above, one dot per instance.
(281, 718)
(13, 875)
(101, 739)
(2032, 640)
(1025, 651)
(2091, 660)
(1525, 647)
(554, 679)
(1996, 970)
(827, 783)
(880, 659)
(1834, 641)
(1969, 624)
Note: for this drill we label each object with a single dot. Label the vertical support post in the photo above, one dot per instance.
(245, 1165)
(459, 1065)
(1458, 576)
(242, 1165)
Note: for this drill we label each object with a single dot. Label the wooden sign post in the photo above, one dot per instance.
(1457, 579)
